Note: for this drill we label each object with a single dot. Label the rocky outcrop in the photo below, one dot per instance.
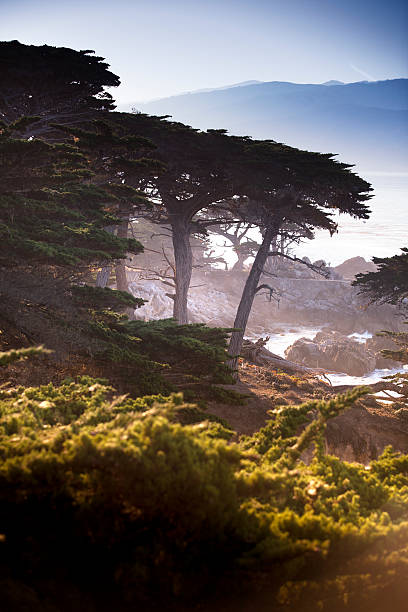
(310, 302)
(205, 305)
(375, 345)
(319, 301)
(356, 265)
(158, 305)
(361, 434)
(333, 351)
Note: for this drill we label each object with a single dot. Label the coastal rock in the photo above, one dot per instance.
(361, 434)
(355, 265)
(375, 345)
(300, 302)
(332, 351)
(158, 305)
(205, 305)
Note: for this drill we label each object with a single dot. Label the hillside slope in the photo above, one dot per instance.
(366, 122)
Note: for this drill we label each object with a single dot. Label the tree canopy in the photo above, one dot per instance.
(310, 188)
(52, 83)
(249, 179)
(49, 214)
(119, 164)
(389, 284)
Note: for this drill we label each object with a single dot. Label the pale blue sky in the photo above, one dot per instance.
(164, 47)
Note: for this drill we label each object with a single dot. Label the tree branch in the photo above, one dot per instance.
(319, 269)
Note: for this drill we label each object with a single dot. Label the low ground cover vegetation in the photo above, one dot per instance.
(114, 501)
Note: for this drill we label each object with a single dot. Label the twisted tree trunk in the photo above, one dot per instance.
(259, 355)
(183, 259)
(247, 298)
(239, 264)
(120, 267)
(102, 278)
(104, 273)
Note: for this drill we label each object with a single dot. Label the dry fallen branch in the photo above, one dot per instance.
(258, 354)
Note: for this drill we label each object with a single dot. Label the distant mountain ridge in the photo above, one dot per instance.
(208, 89)
(365, 122)
(333, 82)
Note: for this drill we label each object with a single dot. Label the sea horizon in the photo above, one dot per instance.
(382, 235)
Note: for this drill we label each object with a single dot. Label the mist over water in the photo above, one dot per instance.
(382, 235)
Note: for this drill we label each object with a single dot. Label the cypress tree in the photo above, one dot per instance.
(389, 284)
(290, 186)
(52, 83)
(49, 213)
(120, 165)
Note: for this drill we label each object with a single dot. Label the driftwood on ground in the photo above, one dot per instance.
(258, 354)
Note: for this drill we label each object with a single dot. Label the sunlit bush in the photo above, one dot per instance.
(113, 495)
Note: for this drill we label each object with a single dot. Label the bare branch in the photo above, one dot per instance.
(172, 265)
(319, 269)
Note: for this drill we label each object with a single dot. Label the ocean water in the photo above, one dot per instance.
(368, 379)
(280, 341)
(382, 235)
(287, 335)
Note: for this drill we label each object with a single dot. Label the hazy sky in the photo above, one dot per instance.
(163, 47)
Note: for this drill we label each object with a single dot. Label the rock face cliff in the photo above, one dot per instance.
(298, 301)
(206, 304)
(333, 351)
(363, 432)
(356, 265)
(336, 352)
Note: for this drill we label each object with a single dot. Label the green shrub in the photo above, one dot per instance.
(140, 352)
(116, 497)
(8, 357)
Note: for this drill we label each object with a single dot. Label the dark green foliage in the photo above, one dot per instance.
(113, 150)
(139, 357)
(48, 215)
(52, 81)
(142, 351)
(280, 435)
(197, 349)
(113, 490)
(389, 284)
(226, 396)
(191, 414)
(118, 160)
(103, 298)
